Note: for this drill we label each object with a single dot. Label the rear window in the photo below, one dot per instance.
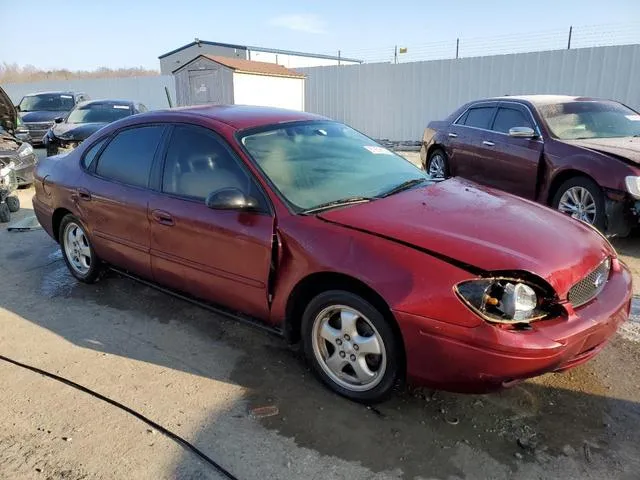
(128, 157)
(90, 156)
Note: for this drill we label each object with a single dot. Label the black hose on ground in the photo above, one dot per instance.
(173, 436)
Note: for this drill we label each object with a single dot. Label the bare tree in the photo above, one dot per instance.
(14, 73)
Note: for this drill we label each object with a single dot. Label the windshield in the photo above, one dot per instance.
(51, 102)
(579, 120)
(315, 163)
(99, 113)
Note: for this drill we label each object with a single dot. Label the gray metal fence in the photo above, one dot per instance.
(148, 90)
(395, 102)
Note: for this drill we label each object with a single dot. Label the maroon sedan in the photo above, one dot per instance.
(578, 155)
(327, 238)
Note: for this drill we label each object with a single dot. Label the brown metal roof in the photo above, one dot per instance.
(259, 68)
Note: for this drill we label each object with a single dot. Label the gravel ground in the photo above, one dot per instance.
(201, 376)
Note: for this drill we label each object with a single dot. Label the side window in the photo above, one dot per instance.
(197, 163)
(90, 155)
(507, 118)
(463, 118)
(479, 117)
(129, 156)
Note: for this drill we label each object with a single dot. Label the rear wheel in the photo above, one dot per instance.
(77, 251)
(582, 199)
(351, 346)
(13, 203)
(5, 213)
(438, 164)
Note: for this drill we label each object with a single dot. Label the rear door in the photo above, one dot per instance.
(222, 256)
(513, 166)
(467, 136)
(114, 200)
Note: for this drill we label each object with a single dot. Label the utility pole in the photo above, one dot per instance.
(569, 42)
(338, 57)
(395, 55)
(457, 46)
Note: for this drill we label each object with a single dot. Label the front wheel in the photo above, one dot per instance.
(13, 203)
(351, 346)
(582, 199)
(77, 251)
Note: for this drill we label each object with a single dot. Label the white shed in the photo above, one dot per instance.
(221, 80)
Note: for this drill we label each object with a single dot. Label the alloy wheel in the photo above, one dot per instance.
(579, 203)
(349, 348)
(77, 249)
(436, 166)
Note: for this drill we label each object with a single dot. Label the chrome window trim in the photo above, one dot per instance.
(539, 138)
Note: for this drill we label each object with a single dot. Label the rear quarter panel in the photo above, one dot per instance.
(55, 183)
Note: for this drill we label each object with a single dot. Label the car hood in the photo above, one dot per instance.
(76, 131)
(40, 116)
(482, 230)
(626, 147)
(8, 114)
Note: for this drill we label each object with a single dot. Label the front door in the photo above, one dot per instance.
(114, 200)
(222, 256)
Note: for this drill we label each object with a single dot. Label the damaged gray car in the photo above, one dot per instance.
(13, 151)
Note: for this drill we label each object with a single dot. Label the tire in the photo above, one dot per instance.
(438, 155)
(81, 259)
(13, 203)
(563, 200)
(5, 213)
(383, 371)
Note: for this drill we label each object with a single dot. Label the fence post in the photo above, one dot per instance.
(457, 46)
(569, 42)
(395, 55)
(338, 57)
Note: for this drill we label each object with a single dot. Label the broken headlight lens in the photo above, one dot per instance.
(503, 300)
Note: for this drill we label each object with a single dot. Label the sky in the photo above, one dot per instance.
(76, 34)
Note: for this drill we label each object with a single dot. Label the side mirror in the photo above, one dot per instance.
(522, 132)
(58, 119)
(230, 199)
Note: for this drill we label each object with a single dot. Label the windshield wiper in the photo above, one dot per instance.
(403, 186)
(338, 203)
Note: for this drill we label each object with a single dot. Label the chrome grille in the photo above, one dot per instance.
(38, 125)
(591, 285)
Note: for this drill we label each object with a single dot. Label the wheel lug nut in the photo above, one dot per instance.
(338, 342)
(342, 354)
(347, 338)
(355, 347)
(353, 358)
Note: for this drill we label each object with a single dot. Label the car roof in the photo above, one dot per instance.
(542, 100)
(243, 116)
(54, 92)
(106, 101)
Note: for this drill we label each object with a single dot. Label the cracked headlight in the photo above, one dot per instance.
(503, 300)
(25, 150)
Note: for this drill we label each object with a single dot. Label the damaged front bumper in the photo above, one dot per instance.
(622, 213)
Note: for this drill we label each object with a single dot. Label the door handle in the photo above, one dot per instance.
(488, 143)
(163, 218)
(84, 194)
(453, 135)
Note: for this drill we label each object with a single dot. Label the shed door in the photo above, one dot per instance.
(205, 86)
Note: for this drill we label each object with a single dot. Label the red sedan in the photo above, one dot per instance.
(320, 234)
